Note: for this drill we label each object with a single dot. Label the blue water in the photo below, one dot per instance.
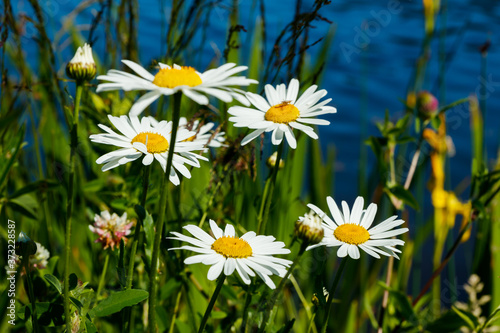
(378, 69)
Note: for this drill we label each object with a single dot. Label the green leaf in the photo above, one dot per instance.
(401, 301)
(90, 326)
(449, 322)
(38, 186)
(404, 195)
(451, 105)
(117, 301)
(76, 303)
(73, 281)
(51, 279)
(25, 204)
(218, 315)
(467, 317)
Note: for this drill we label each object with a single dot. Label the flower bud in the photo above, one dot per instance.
(25, 247)
(427, 105)
(271, 161)
(82, 66)
(308, 228)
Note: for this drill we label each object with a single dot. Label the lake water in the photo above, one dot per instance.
(370, 64)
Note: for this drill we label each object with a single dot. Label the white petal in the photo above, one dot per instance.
(144, 102)
(342, 251)
(293, 90)
(215, 270)
(258, 101)
(139, 70)
(290, 138)
(357, 210)
(277, 136)
(251, 136)
(345, 210)
(215, 229)
(353, 251)
(197, 97)
(229, 231)
(148, 159)
(229, 266)
(334, 210)
(369, 216)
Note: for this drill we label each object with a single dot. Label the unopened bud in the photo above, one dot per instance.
(25, 247)
(308, 228)
(427, 105)
(271, 161)
(82, 66)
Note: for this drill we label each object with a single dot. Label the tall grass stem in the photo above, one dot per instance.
(69, 207)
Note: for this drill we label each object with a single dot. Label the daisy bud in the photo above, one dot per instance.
(309, 229)
(271, 161)
(427, 105)
(25, 247)
(82, 66)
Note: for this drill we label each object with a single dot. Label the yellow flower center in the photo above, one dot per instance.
(351, 234)
(172, 77)
(155, 143)
(282, 113)
(232, 247)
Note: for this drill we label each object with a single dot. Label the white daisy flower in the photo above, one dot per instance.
(204, 134)
(351, 230)
(282, 112)
(248, 254)
(140, 138)
(169, 80)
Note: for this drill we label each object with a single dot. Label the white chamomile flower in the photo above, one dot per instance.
(142, 138)
(351, 230)
(248, 254)
(216, 82)
(204, 134)
(282, 112)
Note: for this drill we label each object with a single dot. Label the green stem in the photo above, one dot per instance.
(103, 276)
(332, 293)
(176, 310)
(276, 293)
(244, 319)
(31, 295)
(311, 323)
(268, 192)
(69, 207)
(153, 283)
(220, 283)
(135, 242)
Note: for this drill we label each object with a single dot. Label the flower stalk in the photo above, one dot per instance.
(103, 276)
(153, 283)
(69, 207)
(220, 283)
(268, 193)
